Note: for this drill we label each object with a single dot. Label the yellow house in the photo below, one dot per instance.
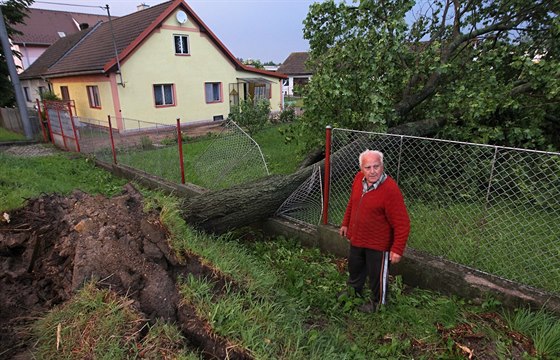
(157, 65)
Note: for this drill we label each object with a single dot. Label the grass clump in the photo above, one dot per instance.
(542, 327)
(100, 324)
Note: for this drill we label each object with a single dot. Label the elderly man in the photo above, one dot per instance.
(377, 225)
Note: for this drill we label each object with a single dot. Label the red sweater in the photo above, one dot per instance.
(377, 220)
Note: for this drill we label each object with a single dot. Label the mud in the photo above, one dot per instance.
(55, 244)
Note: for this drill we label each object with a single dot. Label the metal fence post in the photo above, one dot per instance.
(180, 145)
(48, 121)
(40, 115)
(327, 175)
(112, 140)
(73, 127)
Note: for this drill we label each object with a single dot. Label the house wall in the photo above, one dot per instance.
(33, 89)
(28, 55)
(155, 62)
(78, 92)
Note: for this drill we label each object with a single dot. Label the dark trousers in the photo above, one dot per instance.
(366, 263)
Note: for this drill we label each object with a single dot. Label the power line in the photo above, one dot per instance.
(66, 4)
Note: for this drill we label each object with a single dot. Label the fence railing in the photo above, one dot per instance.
(492, 208)
(228, 158)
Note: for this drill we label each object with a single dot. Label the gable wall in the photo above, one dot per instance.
(155, 62)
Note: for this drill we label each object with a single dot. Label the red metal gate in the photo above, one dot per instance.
(62, 124)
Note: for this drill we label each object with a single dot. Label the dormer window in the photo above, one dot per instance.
(181, 44)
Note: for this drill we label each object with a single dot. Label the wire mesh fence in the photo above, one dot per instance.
(224, 159)
(143, 145)
(305, 205)
(491, 208)
(232, 158)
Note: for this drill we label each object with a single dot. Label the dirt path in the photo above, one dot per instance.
(55, 244)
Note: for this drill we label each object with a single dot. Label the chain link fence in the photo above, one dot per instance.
(228, 157)
(232, 158)
(491, 208)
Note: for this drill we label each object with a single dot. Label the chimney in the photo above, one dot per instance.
(84, 26)
(142, 6)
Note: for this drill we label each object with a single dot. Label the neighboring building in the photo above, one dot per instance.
(296, 70)
(169, 65)
(32, 79)
(42, 28)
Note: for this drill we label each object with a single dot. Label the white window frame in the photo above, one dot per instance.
(210, 92)
(180, 50)
(93, 96)
(159, 89)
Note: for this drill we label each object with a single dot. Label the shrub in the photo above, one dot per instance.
(251, 115)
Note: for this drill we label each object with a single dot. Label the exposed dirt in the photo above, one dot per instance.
(55, 244)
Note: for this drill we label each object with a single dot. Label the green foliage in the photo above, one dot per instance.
(50, 96)
(251, 115)
(472, 66)
(541, 326)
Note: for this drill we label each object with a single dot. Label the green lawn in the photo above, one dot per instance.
(7, 135)
(284, 305)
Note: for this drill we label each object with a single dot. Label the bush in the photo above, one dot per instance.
(251, 115)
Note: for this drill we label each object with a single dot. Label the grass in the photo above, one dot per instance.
(7, 135)
(285, 306)
(23, 178)
(163, 161)
(80, 329)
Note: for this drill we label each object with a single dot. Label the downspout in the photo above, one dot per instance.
(115, 47)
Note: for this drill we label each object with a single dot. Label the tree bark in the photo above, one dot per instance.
(241, 205)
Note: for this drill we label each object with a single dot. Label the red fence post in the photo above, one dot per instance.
(327, 175)
(112, 141)
(73, 127)
(180, 143)
(48, 121)
(40, 114)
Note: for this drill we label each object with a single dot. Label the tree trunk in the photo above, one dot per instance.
(241, 205)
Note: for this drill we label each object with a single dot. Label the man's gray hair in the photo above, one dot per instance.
(370, 152)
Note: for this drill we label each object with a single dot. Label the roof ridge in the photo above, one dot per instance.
(71, 12)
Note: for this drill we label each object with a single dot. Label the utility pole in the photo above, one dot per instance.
(20, 101)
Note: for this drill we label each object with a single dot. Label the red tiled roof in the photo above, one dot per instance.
(42, 27)
(295, 64)
(53, 54)
(96, 53)
(97, 49)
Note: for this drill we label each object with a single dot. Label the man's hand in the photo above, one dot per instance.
(342, 231)
(394, 257)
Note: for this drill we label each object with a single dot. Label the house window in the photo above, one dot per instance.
(213, 92)
(262, 91)
(164, 95)
(93, 97)
(64, 92)
(42, 91)
(26, 92)
(181, 44)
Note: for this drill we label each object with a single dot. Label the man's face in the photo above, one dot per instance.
(371, 167)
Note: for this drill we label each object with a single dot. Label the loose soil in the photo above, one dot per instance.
(55, 244)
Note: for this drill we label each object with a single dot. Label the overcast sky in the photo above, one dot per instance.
(257, 29)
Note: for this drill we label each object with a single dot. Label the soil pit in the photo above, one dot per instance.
(55, 244)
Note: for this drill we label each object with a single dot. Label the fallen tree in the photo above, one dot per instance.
(241, 205)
